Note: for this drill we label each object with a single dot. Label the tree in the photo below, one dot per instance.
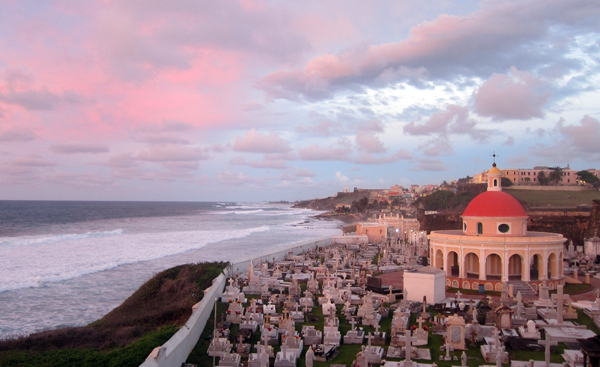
(556, 175)
(360, 206)
(506, 182)
(588, 177)
(465, 180)
(542, 179)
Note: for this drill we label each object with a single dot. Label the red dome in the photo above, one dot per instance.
(494, 204)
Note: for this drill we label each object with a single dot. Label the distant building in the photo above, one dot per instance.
(530, 177)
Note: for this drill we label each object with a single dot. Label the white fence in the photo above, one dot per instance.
(176, 350)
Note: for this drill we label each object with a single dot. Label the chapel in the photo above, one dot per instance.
(494, 246)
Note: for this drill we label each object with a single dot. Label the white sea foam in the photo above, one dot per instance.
(241, 212)
(78, 271)
(41, 261)
(40, 240)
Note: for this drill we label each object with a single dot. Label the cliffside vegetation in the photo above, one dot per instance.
(127, 334)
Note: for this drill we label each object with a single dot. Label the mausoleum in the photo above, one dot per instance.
(494, 245)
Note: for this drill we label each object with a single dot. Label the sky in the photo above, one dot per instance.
(192, 100)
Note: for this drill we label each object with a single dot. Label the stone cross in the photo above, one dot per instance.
(408, 340)
(496, 335)
(420, 321)
(265, 339)
(353, 323)
(369, 337)
(547, 343)
(268, 317)
(286, 314)
(500, 357)
(377, 329)
(253, 307)
(458, 294)
(560, 298)
(231, 282)
(448, 346)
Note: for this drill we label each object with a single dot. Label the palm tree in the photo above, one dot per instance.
(556, 175)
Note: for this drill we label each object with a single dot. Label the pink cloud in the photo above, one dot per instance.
(369, 143)
(510, 141)
(316, 153)
(436, 147)
(173, 154)
(78, 148)
(164, 139)
(32, 161)
(574, 141)
(265, 163)
(303, 172)
(254, 142)
(16, 134)
(429, 164)
(447, 47)
(237, 179)
(452, 120)
(516, 95)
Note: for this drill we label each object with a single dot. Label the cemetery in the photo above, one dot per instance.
(494, 295)
(339, 322)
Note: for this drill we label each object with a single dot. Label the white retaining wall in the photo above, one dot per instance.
(176, 350)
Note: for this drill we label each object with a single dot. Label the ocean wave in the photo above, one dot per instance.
(43, 264)
(241, 212)
(42, 240)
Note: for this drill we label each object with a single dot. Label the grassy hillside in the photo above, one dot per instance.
(127, 334)
(554, 198)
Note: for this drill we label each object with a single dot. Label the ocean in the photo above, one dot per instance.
(68, 263)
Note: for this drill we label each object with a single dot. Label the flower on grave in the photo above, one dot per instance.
(297, 337)
(237, 312)
(425, 328)
(269, 329)
(413, 327)
(229, 311)
(230, 300)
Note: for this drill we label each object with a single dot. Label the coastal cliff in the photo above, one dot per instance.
(127, 334)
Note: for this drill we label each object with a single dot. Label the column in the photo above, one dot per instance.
(482, 265)
(505, 266)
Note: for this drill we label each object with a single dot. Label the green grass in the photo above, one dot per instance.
(570, 288)
(554, 198)
(473, 291)
(132, 355)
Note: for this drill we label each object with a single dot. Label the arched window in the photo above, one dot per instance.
(479, 228)
(495, 182)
